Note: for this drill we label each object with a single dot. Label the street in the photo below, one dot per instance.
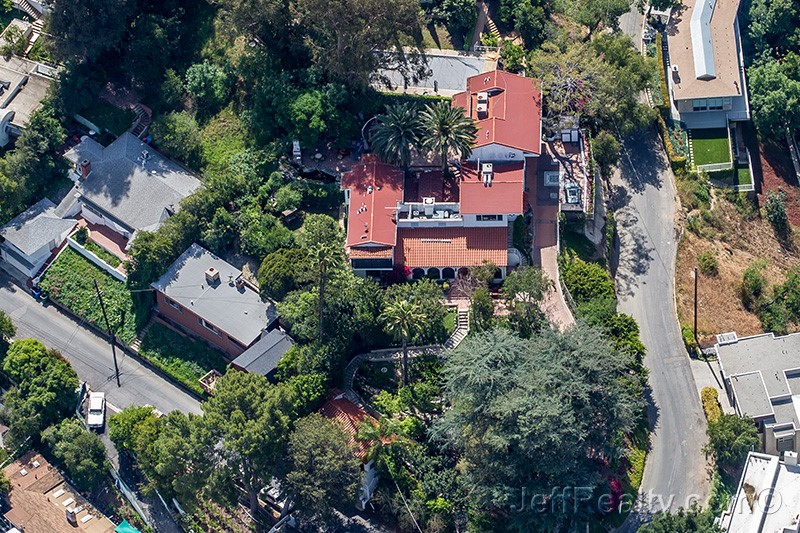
(643, 196)
(90, 355)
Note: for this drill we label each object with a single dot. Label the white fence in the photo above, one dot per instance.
(712, 167)
(116, 274)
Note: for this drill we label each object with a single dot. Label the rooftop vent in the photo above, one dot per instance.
(487, 174)
(212, 276)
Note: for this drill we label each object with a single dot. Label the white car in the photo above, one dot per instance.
(97, 410)
(296, 153)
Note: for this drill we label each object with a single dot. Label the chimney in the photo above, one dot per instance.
(212, 276)
(239, 283)
(85, 168)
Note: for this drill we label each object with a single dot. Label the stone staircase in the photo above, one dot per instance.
(36, 30)
(137, 342)
(461, 331)
(28, 8)
(144, 116)
(492, 27)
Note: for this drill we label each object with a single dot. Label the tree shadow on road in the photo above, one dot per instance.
(643, 161)
(632, 254)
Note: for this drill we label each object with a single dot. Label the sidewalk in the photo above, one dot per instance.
(707, 374)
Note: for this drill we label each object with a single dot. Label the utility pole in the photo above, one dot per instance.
(111, 337)
(695, 307)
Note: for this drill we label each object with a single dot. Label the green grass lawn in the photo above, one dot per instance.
(450, 320)
(710, 146)
(108, 117)
(102, 253)
(184, 359)
(743, 176)
(70, 282)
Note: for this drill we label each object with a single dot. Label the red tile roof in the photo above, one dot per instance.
(349, 416)
(375, 188)
(454, 247)
(515, 110)
(370, 252)
(503, 197)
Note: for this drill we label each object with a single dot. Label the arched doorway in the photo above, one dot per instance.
(418, 273)
(448, 273)
(433, 273)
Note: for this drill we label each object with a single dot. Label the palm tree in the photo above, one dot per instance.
(447, 129)
(395, 134)
(402, 319)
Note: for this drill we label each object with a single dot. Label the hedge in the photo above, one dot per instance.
(662, 71)
(710, 399)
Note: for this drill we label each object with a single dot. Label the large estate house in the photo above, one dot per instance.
(705, 64)
(436, 225)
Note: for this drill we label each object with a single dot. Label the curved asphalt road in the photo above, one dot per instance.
(643, 196)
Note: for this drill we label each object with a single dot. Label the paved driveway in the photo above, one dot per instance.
(676, 472)
(90, 355)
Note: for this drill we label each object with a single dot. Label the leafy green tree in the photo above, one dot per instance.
(150, 50)
(523, 291)
(457, 15)
(221, 231)
(323, 468)
(178, 135)
(396, 134)
(261, 233)
(123, 426)
(509, 400)
(248, 421)
(446, 131)
(775, 94)
(86, 29)
(209, 83)
(753, 284)
(693, 520)
(730, 439)
(45, 384)
(481, 310)
(309, 114)
(287, 197)
(82, 453)
(774, 26)
(348, 39)
(402, 320)
(7, 328)
(605, 149)
(427, 295)
(596, 13)
(529, 21)
(587, 281)
(283, 271)
(320, 229)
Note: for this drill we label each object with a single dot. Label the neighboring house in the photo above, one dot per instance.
(438, 226)
(263, 356)
(768, 497)
(28, 240)
(42, 501)
(761, 375)
(127, 186)
(350, 417)
(23, 86)
(208, 298)
(705, 64)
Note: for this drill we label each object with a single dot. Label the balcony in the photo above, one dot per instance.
(429, 210)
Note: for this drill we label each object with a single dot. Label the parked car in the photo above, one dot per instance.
(297, 155)
(96, 418)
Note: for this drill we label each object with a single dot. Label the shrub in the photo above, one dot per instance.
(753, 284)
(81, 235)
(775, 211)
(661, 71)
(587, 281)
(708, 263)
(513, 56)
(710, 398)
(688, 340)
(178, 136)
(730, 439)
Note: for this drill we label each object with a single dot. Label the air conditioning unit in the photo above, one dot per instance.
(482, 108)
(487, 174)
(483, 97)
(428, 200)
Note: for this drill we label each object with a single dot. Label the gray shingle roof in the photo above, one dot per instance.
(36, 227)
(132, 182)
(238, 312)
(263, 357)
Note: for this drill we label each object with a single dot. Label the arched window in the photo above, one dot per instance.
(418, 273)
(448, 273)
(433, 273)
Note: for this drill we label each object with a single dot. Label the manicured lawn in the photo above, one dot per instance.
(743, 176)
(710, 146)
(108, 117)
(70, 282)
(185, 359)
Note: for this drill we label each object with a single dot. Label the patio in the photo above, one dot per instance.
(110, 244)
